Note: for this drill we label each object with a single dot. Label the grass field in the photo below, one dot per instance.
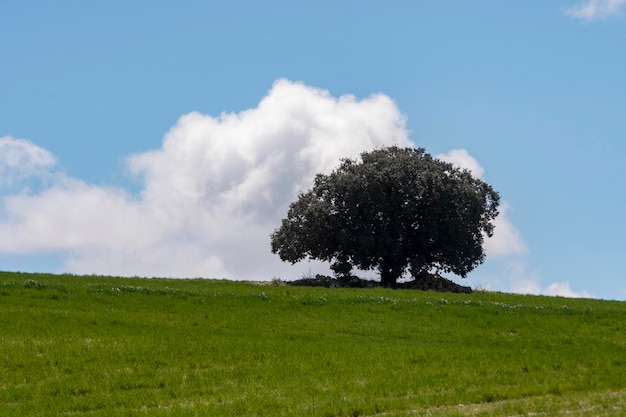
(100, 346)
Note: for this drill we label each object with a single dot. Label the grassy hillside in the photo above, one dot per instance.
(99, 346)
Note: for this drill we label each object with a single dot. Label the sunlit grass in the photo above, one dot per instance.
(119, 347)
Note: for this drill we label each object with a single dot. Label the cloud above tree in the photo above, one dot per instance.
(210, 195)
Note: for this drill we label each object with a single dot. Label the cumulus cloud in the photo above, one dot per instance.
(508, 246)
(563, 289)
(211, 194)
(592, 10)
(21, 159)
(506, 240)
(524, 280)
(461, 158)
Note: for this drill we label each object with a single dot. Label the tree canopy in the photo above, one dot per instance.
(397, 209)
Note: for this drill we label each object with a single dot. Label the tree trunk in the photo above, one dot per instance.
(388, 277)
(342, 269)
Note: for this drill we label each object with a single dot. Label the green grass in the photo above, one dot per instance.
(101, 346)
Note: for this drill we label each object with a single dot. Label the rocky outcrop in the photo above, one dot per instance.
(432, 282)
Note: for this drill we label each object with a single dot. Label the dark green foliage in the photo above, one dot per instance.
(399, 208)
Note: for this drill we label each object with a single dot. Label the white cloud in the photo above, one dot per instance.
(506, 240)
(595, 9)
(20, 159)
(563, 289)
(461, 158)
(526, 286)
(523, 280)
(211, 195)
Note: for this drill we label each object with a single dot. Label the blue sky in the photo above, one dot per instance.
(167, 138)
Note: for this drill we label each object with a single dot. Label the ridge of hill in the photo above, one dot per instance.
(106, 346)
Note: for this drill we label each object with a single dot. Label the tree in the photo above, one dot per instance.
(398, 209)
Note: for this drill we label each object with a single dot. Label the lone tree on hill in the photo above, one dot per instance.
(399, 208)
